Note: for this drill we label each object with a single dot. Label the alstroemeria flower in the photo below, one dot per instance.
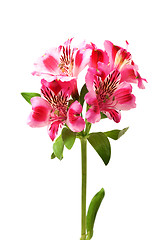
(121, 59)
(116, 57)
(64, 61)
(107, 94)
(52, 109)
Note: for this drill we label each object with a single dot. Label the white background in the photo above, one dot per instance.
(40, 197)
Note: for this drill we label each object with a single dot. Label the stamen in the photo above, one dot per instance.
(58, 102)
(66, 60)
(105, 89)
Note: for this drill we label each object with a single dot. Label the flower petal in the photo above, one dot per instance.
(90, 78)
(113, 114)
(124, 98)
(93, 114)
(48, 63)
(67, 85)
(111, 50)
(82, 58)
(98, 55)
(130, 74)
(75, 122)
(39, 116)
(53, 130)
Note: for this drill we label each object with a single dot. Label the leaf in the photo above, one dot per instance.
(101, 144)
(82, 94)
(92, 211)
(28, 95)
(68, 137)
(53, 155)
(116, 134)
(58, 147)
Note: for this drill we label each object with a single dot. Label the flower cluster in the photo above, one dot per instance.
(108, 80)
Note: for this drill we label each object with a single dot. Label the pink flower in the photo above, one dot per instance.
(121, 59)
(52, 109)
(107, 94)
(64, 60)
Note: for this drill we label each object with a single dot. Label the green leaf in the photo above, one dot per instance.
(58, 148)
(116, 134)
(28, 95)
(82, 94)
(68, 137)
(92, 211)
(53, 155)
(101, 144)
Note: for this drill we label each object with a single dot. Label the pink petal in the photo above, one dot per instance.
(75, 122)
(124, 98)
(111, 50)
(140, 81)
(104, 70)
(53, 130)
(93, 114)
(113, 114)
(98, 55)
(122, 58)
(67, 85)
(39, 116)
(82, 58)
(130, 74)
(48, 63)
(90, 78)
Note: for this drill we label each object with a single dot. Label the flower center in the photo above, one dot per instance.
(66, 61)
(59, 104)
(105, 89)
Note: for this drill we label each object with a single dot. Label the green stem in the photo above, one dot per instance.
(84, 182)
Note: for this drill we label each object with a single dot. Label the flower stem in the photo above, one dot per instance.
(84, 182)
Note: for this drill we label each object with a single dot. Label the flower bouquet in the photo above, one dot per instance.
(106, 91)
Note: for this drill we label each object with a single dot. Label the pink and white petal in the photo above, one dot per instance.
(125, 100)
(113, 114)
(53, 129)
(74, 121)
(111, 50)
(82, 59)
(48, 63)
(122, 58)
(39, 117)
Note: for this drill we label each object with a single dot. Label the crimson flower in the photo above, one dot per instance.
(52, 108)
